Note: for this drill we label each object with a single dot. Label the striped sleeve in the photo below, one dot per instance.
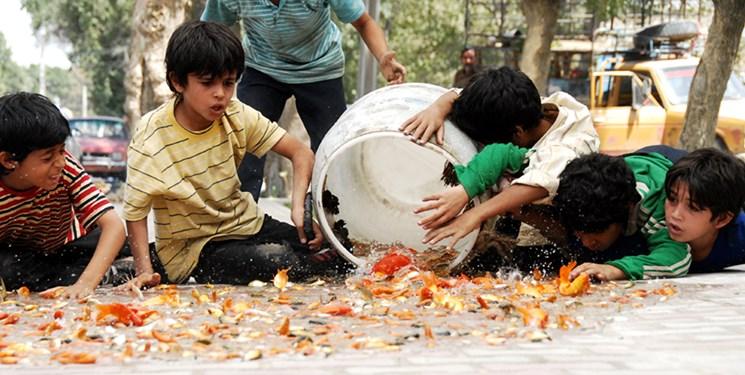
(348, 10)
(221, 11)
(89, 202)
(261, 133)
(144, 179)
(667, 258)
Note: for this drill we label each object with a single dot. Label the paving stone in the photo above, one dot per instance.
(699, 331)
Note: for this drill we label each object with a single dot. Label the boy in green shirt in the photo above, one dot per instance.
(501, 108)
(601, 198)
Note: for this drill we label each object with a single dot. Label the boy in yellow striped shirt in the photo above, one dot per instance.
(182, 164)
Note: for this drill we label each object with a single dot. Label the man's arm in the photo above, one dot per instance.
(302, 167)
(109, 244)
(374, 38)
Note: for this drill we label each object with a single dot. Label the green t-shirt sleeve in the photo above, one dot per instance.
(667, 258)
(488, 166)
(222, 11)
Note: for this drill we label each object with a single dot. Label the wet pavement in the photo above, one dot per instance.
(621, 329)
(700, 329)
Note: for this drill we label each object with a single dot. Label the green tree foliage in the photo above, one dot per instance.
(607, 9)
(12, 76)
(99, 32)
(427, 36)
(63, 87)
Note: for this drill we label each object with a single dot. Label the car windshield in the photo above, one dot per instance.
(679, 80)
(100, 128)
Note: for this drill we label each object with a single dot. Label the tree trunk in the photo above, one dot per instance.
(714, 69)
(145, 80)
(540, 17)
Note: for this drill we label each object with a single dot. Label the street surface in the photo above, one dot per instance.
(699, 330)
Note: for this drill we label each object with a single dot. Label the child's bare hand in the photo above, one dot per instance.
(298, 218)
(457, 229)
(78, 290)
(446, 205)
(425, 123)
(317, 240)
(142, 281)
(601, 272)
(391, 69)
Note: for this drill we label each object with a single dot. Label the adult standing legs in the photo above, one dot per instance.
(319, 105)
(267, 96)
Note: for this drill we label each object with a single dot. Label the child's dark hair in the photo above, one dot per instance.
(492, 105)
(594, 192)
(715, 179)
(202, 48)
(29, 122)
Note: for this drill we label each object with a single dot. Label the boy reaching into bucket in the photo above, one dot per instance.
(182, 164)
(533, 139)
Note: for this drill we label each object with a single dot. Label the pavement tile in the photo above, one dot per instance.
(443, 369)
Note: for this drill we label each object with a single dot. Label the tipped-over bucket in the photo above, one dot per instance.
(369, 177)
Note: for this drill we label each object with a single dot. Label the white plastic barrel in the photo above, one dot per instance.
(379, 175)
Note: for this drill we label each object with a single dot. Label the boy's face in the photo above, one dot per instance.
(522, 138)
(205, 97)
(41, 168)
(687, 222)
(602, 240)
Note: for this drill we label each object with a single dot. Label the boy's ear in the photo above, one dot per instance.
(6, 160)
(723, 219)
(175, 82)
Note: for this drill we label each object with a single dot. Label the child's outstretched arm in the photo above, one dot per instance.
(431, 120)
(667, 258)
(483, 171)
(302, 167)
(510, 200)
(374, 38)
(109, 244)
(138, 243)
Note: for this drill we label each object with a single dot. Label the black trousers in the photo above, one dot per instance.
(39, 270)
(276, 246)
(319, 105)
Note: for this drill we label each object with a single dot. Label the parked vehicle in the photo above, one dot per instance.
(639, 97)
(73, 146)
(103, 142)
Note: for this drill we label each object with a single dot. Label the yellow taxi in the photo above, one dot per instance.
(638, 103)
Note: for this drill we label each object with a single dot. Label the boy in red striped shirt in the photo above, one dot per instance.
(48, 206)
